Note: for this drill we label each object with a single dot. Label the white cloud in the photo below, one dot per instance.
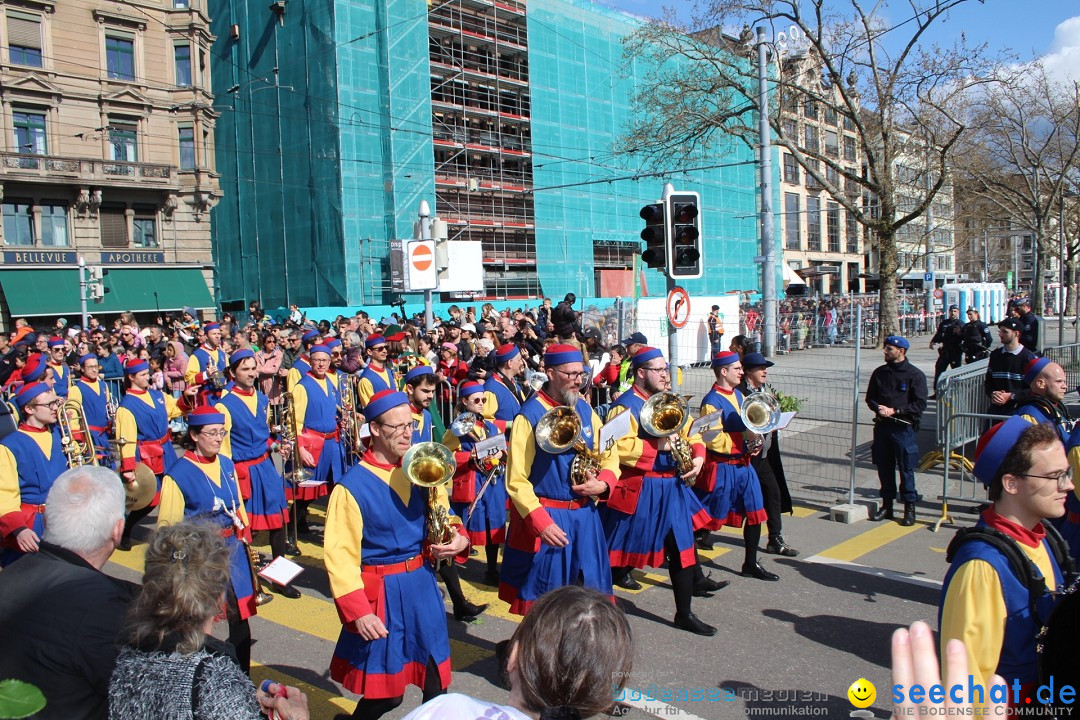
(1063, 59)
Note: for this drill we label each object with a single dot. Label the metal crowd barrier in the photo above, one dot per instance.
(1068, 357)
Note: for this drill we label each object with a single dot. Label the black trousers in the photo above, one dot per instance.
(947, 357)
(770, 493)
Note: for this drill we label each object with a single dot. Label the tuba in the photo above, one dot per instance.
(760, 414)
(663, 415)
(429, 465)
(559, 431)
(75, 438)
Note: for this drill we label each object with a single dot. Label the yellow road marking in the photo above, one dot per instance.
(801, 512)
(871, 540)
(321, 702)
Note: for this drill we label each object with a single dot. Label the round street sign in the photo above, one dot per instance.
(678, 307)
(421, 257)
(939, 293)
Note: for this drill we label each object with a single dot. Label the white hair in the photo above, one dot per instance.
(82, 508)
(354, 339)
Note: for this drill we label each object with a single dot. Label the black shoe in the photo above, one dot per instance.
(303, 529)
(885, 512)
(292, 550)
(125, 543)
(469, 612)
(707, 585)
(704, 542)
(777, 546)
(758, 571)
(909, 515)
(287, 590)
(491, 578)
(627, 582)
(691, 623)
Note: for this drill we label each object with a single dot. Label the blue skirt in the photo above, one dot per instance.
(735, 496)
(665, 505)
(489, 514)
(267, 507)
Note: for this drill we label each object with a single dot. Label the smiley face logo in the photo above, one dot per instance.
(862, 693)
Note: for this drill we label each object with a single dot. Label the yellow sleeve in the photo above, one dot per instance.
(519, 465)
(451, 441)
(491, 405)
(75, 393)
(226, 446)
(193, 369)
(721, 441)
(171, 507)
(299, 406)
(127, 432)
(172, 406)
(628, 448)
(342, 539)
(291, 379)
(10, 493)
(365, 391)
(974, 611)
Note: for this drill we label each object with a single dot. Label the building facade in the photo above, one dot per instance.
(503, 115)
(107, 154)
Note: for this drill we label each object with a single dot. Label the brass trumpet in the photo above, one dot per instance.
(663, 415)
(559, 431)
(429, 465)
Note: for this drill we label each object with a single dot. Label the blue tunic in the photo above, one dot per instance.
(95, 404)
(408, 603)
(728, 486)
(152, 424)
(37, 474)
(206, 361)
(1069, 523)
(509, 400)
(321, 416)
(249, 439)
(489, 516)
(63, 379)
(205, 499)
(380, 380)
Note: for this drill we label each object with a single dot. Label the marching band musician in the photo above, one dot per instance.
(338, 380)
(248, 444)
(315, 402)
(93, 395)
(728, 487)
(377, 376)
(208, 360)
(394, 632)
(31, 458)
(486, 526)
(420, 387)
(651, 513)
(60, 369)
(143, 434)
(555, 536)
(302, 365)
(502, 392)
(203, 484)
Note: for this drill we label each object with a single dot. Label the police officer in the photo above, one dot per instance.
(897, 395)
(950, 336)
(1029, 321)
(976, 337)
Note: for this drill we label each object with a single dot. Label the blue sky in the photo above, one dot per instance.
(1048, 29)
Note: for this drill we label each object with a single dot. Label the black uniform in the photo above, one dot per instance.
(770, 471)
(1005, 371)
(977, 341)
(900, 386)
(951, 353)
(1029, 332)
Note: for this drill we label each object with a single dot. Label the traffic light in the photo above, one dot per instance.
(654, 235)
(684, 241)
(95, 283)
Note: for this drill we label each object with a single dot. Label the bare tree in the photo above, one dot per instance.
(904, 100)
(1024, 145)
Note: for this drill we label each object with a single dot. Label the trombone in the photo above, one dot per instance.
(430, 465)
(349, 423)
(290, 432)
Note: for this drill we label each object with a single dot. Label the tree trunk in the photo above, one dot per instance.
(1070, 286)
(889, 312)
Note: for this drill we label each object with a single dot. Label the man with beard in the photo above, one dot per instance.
(1004, 382)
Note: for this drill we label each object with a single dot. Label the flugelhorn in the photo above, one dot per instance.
(559, 431)
(429, 465)
(663, 415)
(760, 414)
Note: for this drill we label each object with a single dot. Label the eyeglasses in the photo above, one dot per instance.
(392, 430)
(572, 376)
(662, 370)
(55, 404)
(219, 434)
(1063, 479)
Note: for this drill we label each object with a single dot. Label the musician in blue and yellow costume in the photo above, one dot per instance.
(651, 513)
(143, 434)
(378, 375)
(31, 458)
(555, 536)
(248, 444)
(394, 624)
(300, 368)
(316, 403)
(93, 394)
(728, 487)
(503, 394)
(206, 366)
(983, 602)
(420, 385)
(60, 369)
(203, 484)
(486, 525)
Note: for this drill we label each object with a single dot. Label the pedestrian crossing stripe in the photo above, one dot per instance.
(321, 702)
(869, 541)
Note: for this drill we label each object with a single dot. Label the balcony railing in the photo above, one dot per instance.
(48, 166)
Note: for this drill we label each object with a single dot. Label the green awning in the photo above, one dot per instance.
(55, 291)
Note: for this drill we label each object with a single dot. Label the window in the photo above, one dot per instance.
(849, 148)
(29, 132)
(813, 224)
(187, 148)
(792, 236)
(181, 4)
(851, 232)
(144, 227)
(810, 109)
(810, 139)
(791, 130)
(18, 223)
(120, 57)
(811, 181)
(113, 220)
(833, 177)
(24, 39)
(182, 55)
(832, 223)
(832, 143)
(123, 141)
(54, 224)
(791, 169)
(830, 116)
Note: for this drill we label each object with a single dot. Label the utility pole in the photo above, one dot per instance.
(768, 261)
(425, 234)
(82, 292)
